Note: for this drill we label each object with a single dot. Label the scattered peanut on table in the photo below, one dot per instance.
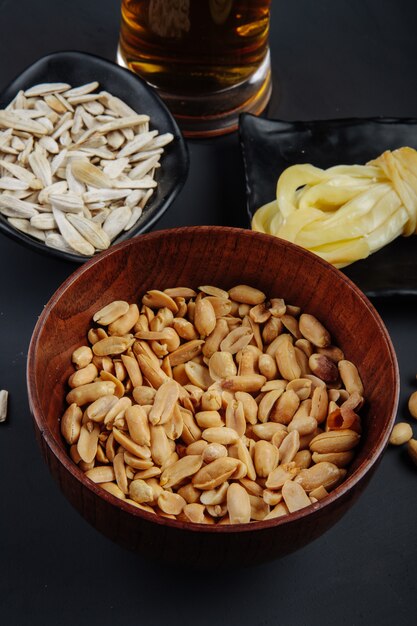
(403, 433)
(212, 406)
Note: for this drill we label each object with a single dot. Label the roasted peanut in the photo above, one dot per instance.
(412, 450)
(266, 457)
(71, 423)
(401, 433)
(350, 377)
(294, 496)
(247, 295)
(215, 473)
(286, 358)
(314, 331)
(323, 474)
(238, 504)
(88, 393)
(82, 356)
(205, 406)
(412, 404)
(323, 368)
(204, 317)
(335, 441)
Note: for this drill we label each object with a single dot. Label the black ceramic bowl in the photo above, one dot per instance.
(77, 68)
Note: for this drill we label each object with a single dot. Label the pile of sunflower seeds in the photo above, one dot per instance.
(77, 165)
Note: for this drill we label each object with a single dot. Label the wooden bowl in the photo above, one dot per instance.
(223, 257)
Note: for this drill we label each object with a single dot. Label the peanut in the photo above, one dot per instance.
(412, 450)
(401, 433)
(412, 404)
(213, 407)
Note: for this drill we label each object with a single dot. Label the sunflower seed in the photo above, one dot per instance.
(81, 90)
(53, 102)
(137, 143)
(136, 213)
(62, 129)
(144, 154)
(88, 120)
(18, 144)
(92, 106)
(116, 167)
(22, 174)
(77, 122)
(18, 101)
(87, 173)
(71, 234)
(102, 153)
(49, 144)
(115, 139)
(41, 105)
(10, 120)
(116, 221)
(41, 168)
(55, 240)
(162, 140)
(28, 113)
(128, 133)
(56, 188)
(58, 161)
(9, 183)
(5, 136)
(124, 122)
(100, 216)
(22, 158)
(42, 89)
(21, 125)
(116, 105)
(106, 117)
(84, 98)
(64, 102)
(134, 197)
(9, 152)
(25, 227)
(90, 231)
(69, 202)
(105, 195)
(144, 167)
(73, 184)
(46, 221)
(65, 139)
(145, 198)
(127, 183)
(95, 141)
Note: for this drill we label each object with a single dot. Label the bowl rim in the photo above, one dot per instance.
(181, 151)
(63, 457)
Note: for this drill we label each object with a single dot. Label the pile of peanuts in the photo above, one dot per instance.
(212, 406)
(402, 433)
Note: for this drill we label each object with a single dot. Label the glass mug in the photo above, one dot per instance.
(208, 59)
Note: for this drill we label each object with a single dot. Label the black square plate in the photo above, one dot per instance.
(270, 146)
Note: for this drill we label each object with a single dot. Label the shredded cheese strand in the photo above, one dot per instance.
(344, 213)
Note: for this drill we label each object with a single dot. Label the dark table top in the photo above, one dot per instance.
(333, 58)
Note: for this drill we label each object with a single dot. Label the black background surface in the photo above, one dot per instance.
(332, 58)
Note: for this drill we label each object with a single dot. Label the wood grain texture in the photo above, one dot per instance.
(223, 257)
